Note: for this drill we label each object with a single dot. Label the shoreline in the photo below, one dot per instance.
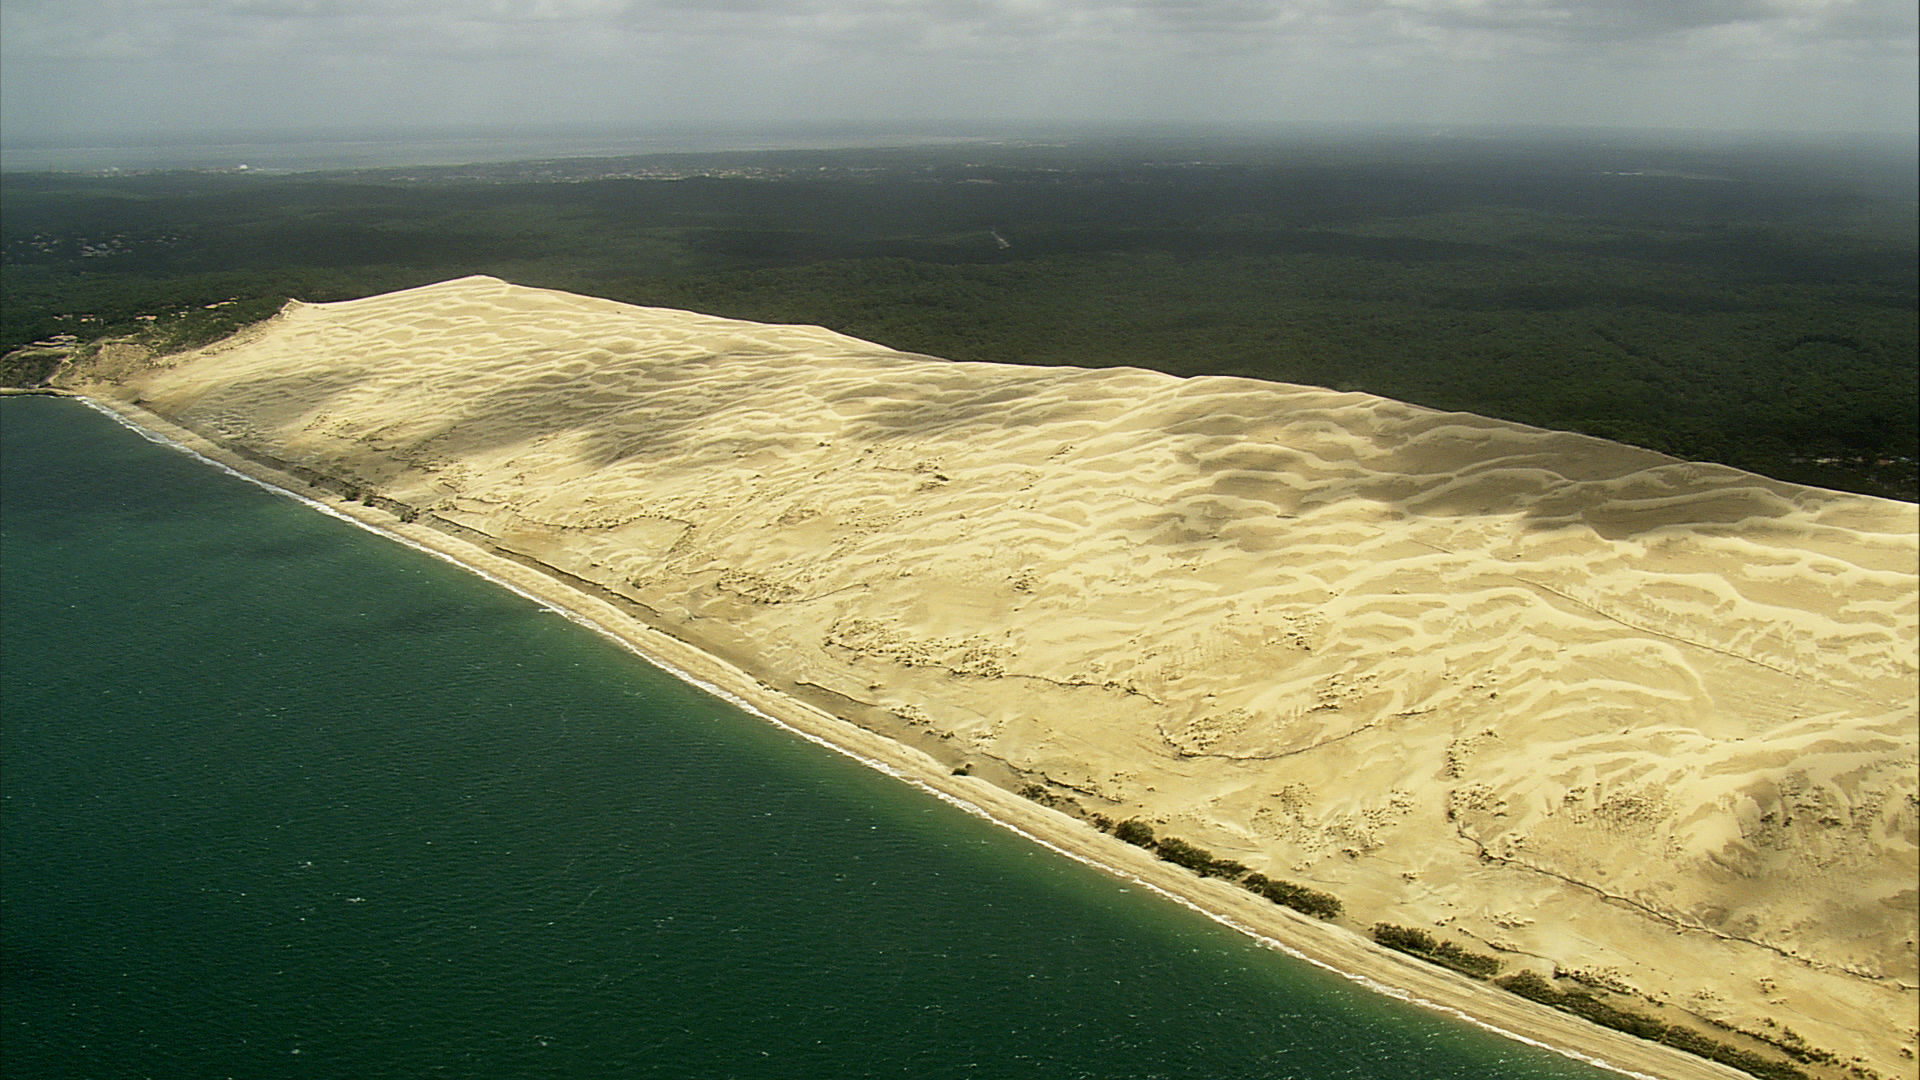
(1332, 948)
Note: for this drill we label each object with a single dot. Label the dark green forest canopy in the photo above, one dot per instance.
(1749, 304)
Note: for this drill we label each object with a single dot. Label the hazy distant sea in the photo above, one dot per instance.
(295, 153)
(286, 799)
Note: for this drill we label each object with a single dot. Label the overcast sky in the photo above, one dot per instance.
(72, 67)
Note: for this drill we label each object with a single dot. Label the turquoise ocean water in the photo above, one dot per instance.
(282, 798)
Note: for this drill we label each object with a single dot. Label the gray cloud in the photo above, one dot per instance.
(107, 64)
(1603, 20)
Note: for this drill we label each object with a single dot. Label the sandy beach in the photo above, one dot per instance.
(1574, 704)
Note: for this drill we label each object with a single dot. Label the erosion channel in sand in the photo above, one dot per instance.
(1580, 706)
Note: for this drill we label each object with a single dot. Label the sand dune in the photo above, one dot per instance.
(1572, 700)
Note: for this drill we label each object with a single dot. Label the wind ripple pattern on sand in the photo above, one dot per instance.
(1384, 648)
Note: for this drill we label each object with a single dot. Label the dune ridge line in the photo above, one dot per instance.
(1582, 706)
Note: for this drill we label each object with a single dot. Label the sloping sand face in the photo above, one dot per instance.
(1558, 696)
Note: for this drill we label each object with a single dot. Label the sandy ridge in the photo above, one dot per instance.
(1299, 936)
(1567, 669)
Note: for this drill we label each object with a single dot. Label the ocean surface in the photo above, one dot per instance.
(281, 153)
(282, 798)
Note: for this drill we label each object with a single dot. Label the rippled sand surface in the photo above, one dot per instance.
(1556, 696)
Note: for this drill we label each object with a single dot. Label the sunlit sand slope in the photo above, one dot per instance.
(1560, 696)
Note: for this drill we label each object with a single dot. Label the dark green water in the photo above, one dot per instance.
(284, 799)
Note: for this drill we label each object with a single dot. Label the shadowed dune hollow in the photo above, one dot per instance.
(1560, 698)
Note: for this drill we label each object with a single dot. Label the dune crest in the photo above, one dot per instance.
(1545, 694)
